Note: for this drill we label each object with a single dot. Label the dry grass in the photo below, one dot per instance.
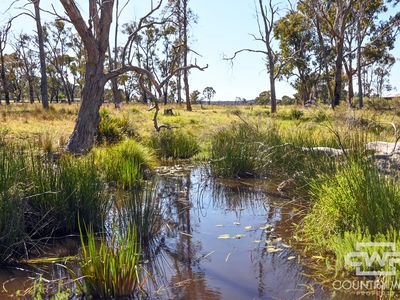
(31, 122)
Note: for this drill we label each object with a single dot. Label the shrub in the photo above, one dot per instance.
(125, 163)
(113, 129)
(296, 114)
(174, 144)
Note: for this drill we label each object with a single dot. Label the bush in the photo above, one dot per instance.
(296, 114)
(113, 129)
(125, 163)
(174, 144)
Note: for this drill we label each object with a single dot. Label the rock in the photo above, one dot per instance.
(383, 148)
(324, 150)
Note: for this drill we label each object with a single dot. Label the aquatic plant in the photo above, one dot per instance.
(125, 163)
(174, 144)
(110, 265)
(141, 209)
(41, 197)
(355, 197)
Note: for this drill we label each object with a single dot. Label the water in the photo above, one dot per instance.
(196, 259)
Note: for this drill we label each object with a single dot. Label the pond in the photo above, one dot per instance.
(221, 239)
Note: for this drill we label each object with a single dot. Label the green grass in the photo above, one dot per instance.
(125, 163)
(113, 129)
(141, 209)
(174, 144)
(354, 198)
(42, 197)
(110, 265)
(245, 150)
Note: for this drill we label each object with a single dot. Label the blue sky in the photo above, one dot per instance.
(223, 27)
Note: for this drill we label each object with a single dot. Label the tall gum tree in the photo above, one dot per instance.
(95, 36)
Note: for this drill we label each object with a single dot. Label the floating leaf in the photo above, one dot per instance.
(272, 249)
(224, 237)
(220, 225)
(286, 245)
(291, 257)
(239, 236)
(248, 227)
(257, 241)
(266, 227)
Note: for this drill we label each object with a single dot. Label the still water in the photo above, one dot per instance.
(221, 239)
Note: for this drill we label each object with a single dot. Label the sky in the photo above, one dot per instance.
(224, 26)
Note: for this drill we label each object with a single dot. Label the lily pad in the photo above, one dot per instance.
(224, 237)
(239, 236)
(248, 227)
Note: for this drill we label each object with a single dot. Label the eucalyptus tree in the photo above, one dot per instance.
(95, 36)
(60, 56)
(24, 47)
(297, 41)
(4, 32)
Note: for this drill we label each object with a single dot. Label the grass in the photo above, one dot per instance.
(125, 163)
(141, 209)
(110, 265)
(355, 197)
(41, 198)
(113, 129)
(174, 144)
(246, 150)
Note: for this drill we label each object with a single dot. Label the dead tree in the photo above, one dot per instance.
(266, 15)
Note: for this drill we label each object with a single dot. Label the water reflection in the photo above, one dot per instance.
(180, 216)
(201, 266)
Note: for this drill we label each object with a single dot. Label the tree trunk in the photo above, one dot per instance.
(325, 61)
(179, 87)
(42, 57)
(86, 127)
(338, 73)
(272, 85)
(185, 55)
(115, 91)
(349, 72)
(4, 80)
(359, 72)
(31, 91)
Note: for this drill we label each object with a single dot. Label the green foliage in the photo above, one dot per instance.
(356, 197)
(286, 100)
(110, 265)
(125, 163)
(234, 150)
(244, 150)
(174, 144)
(296, 114)
(264, 98)
(113, 129)
(40, 198)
